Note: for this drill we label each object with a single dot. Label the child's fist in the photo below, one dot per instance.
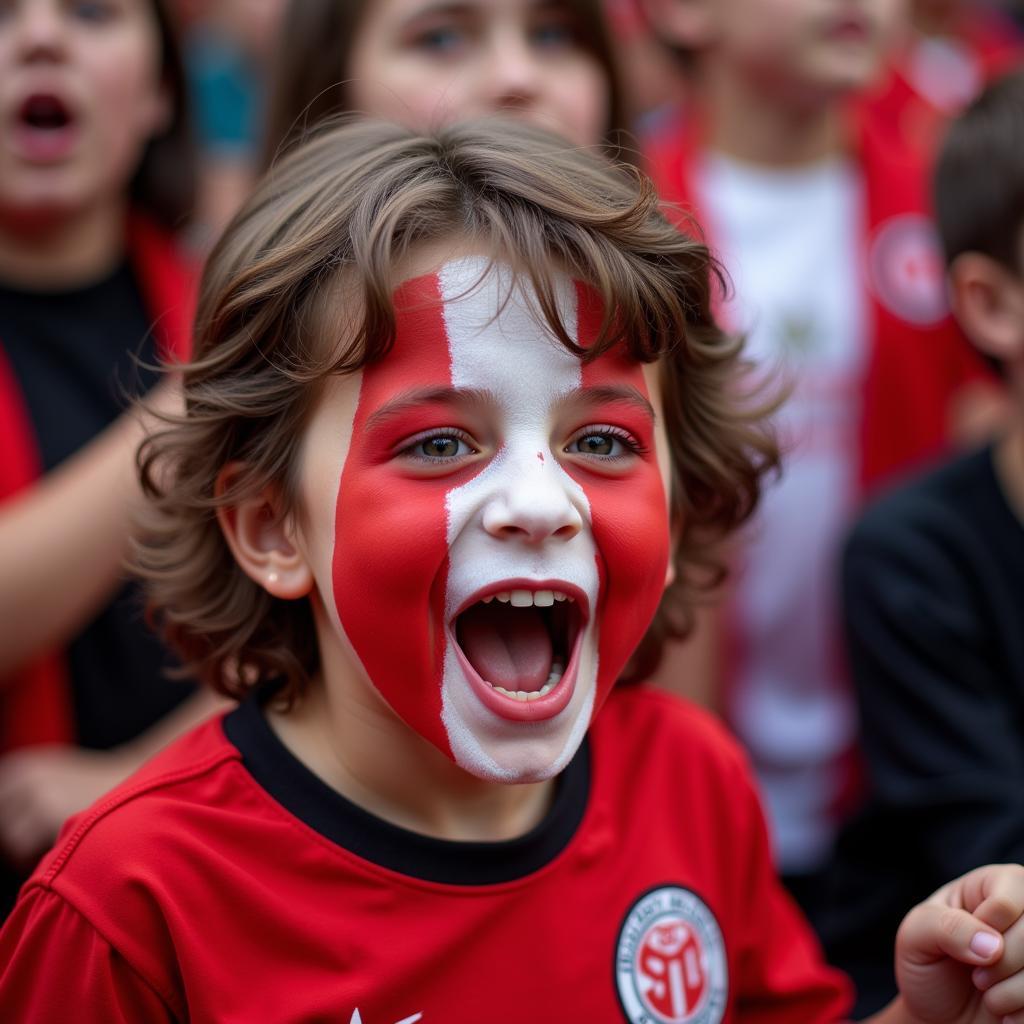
(960, 954)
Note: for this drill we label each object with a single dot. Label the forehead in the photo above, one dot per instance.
(475, 323)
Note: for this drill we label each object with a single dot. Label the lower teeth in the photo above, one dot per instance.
(528, 695)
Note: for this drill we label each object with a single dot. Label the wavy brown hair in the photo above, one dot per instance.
(339, 214)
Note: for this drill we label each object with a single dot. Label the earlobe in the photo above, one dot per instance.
(263, 540)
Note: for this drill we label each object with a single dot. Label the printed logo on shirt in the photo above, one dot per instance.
(906, 271)
(670, 960)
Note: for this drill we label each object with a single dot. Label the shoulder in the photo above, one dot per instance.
(925, 522)
(667, 734)
(140, 821)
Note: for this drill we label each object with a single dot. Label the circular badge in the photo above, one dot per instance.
(670, 960)
(906, 271)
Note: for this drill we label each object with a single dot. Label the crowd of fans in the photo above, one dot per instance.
(867, 645)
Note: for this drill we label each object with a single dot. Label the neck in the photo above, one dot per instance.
(758, 125)
(359, 747)
(49, 253)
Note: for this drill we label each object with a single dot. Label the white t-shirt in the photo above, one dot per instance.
(791, 243)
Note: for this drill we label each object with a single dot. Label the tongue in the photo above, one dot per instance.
(509, 647)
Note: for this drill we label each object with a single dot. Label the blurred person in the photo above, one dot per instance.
(228, 50)
(653, 78)
(934, 594)
(947, 53)
(95, 173)
(839, 292)
(424, 65)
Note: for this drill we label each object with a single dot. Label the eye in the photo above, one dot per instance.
(440, 40)
(439, 447)
(553, 34)
(605, 443)
(93, 10)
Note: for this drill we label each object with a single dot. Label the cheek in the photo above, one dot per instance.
(389, 567)
(630, 522)
(580, 101)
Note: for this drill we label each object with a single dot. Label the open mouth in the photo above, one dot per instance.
(42, 112)
(518, 645)
(45, 127)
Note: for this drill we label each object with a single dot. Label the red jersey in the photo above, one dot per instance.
(225, 882)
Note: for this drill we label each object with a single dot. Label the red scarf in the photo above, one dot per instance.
(35, 706)
(917, 357)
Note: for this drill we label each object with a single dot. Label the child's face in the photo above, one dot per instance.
(80, 94)
(804, 48)
(481, 510)
(424, 63)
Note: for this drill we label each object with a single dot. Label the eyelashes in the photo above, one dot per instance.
(450, 446)
(439, 447)
(605, 442)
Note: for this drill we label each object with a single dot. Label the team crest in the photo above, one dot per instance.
(906, 271)
(670, 960)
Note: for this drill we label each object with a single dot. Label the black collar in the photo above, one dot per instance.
(326, 811)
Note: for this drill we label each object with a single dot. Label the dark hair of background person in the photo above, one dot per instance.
(307, 83)
(979, 177)
(164, 184)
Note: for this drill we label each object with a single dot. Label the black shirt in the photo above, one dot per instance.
(933, 588)
(77, 357)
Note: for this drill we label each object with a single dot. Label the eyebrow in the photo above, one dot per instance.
(600, 393)
(417, 397)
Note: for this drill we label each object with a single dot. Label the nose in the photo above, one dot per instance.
(40, 30)
(513, 71)
(533, 503)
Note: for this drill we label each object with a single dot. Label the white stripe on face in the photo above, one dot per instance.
(502, 523)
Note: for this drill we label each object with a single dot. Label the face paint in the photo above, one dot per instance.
(523, 561)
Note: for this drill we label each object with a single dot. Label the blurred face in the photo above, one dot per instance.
(486, 521)
(805, 46)
(80, 95)
(428, 62)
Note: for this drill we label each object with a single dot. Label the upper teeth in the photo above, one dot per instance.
(526, 598)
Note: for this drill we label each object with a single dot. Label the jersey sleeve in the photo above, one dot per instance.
(783, 976)
(56, 967)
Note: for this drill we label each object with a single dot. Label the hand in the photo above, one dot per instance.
(960, 954)
(40, 787)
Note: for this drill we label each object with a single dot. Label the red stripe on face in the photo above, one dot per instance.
(629, 517)
(390, 551)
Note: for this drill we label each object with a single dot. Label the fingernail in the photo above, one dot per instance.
(984, 944)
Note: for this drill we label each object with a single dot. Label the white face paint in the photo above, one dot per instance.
(522, 523)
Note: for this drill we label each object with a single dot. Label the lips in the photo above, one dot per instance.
(517, 642)
(45, 128)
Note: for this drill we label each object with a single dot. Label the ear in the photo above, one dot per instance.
(688, 24)
(263, 540)
(673, 550)
(988, 300)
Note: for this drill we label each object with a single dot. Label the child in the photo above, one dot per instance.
(934, 592)
(838, 289)
(94, 174)
(454, 400)
(426, 64)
